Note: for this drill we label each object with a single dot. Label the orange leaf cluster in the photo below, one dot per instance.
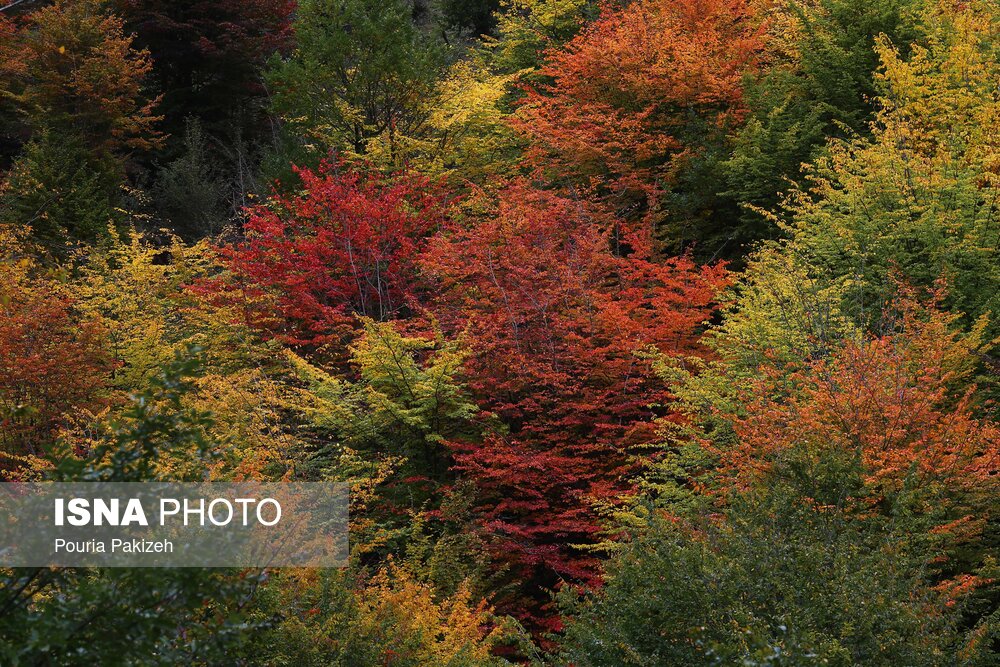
(899, 401)
(626, 94)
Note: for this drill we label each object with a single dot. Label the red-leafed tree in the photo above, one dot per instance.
(52, 364)
(346, 245)
(556, 304)
(643, 86)
(555, 319)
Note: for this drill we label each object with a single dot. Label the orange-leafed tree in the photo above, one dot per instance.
(647, 84)
(901, 405)
(554, 321)
(8, 64)
(82, 76)
(77, 87)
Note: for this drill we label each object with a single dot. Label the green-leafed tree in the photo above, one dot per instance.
(820, 83)
(62, 192)
(778, 580)
(527, 28)
(917, 201)
(190, 190)
(816, 81)
(63, 616)
(387, 427)
(359, 76)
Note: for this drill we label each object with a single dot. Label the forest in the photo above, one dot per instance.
(645, 332)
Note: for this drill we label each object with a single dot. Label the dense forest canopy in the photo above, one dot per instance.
(646, 332)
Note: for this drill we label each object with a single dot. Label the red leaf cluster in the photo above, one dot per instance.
(555, 319)
(346, 245)
(556, 305)
(51, 365)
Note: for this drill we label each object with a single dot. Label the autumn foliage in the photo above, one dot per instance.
(901, 402)
(52, 366)
(10, 67)
(557, 321)
(638, 90)
(81, 74)
(656, 332)
(346, 246)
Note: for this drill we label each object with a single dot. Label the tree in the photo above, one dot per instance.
(385, 425)
(637, 92)
(184, 615)
(900, 403)
(818, 82)
(779, 580)
(83, 78)
(893, 404)
(208, 58)
(53, 363)
(468, 139)
(359, 74)
(914, 203)
(79, 86)
(62, 192)
(346, 246)
(554, 320)
(190, 190)
(11, 70)
(145, 292)
(208, 55)
(392, 619)
(920, 196)
(526, 29)
(477, 17)
(847, 519)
